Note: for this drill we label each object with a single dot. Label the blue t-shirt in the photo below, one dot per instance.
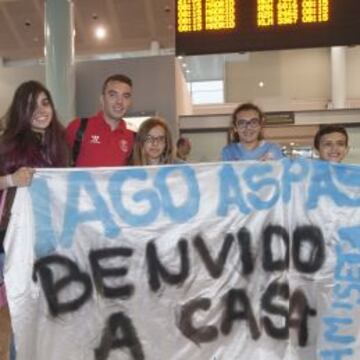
(265, 151)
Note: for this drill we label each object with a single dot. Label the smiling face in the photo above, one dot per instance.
(43, 114)
(154, 144)
(248, 125)
(116, 100)
(333, 147)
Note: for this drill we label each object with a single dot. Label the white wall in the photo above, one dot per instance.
(293, 79)
(305, 74)
(183, 97)
(353, 156)
(12, 77)
(242, 78)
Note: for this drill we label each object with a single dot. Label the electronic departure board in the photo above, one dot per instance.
(219, 26)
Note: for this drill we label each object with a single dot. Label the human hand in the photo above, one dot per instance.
(266, 157)
(22, 177)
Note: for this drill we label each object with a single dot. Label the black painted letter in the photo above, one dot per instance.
(157, 269)
(313, 236)
(185, 324)
(53, 285)
(299, 313)
(100, 272)
(272, 232)
(247, 260)
(276, 290)
(237, 298)
(214, 267)
(110, 341)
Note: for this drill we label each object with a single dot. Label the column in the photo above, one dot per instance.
(338, 77)
(60, 56)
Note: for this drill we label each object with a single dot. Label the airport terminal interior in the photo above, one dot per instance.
(300, 88)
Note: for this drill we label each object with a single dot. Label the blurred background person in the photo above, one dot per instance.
(183, 148)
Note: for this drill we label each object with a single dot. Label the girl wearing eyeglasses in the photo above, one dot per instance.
(153, 144)
(247, 124)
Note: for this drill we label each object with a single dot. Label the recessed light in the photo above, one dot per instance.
(100, 32)
(261, 84)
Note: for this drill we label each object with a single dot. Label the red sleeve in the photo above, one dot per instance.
(71, 131)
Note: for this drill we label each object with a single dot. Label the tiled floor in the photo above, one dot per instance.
(4, 333)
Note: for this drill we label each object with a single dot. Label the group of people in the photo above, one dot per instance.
(330, 142)
(33, 137)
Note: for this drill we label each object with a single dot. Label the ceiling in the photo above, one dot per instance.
(132, 25)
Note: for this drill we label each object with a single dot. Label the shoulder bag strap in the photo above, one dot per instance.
(78, 139)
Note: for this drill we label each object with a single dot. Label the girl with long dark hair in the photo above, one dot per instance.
(32, 137)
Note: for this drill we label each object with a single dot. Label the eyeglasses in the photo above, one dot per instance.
(252, 123)
(155, 139)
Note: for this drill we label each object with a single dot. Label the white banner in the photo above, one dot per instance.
(230, 261)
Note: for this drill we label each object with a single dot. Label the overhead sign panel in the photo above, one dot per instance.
(219, 26)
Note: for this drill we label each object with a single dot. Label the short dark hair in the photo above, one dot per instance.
(117, 77)
(329, 129)
(182, 141)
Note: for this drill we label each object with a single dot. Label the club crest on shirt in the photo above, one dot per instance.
(95, 139)
(124, 145)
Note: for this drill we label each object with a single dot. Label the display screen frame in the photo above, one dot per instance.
(342, 28)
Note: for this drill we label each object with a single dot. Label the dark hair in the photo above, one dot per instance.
(182, 141)
(117, 77)
(329, 129)
(19, 145)
(244, 107)
(138, 156)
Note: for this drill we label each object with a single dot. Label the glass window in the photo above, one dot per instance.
(207, 92)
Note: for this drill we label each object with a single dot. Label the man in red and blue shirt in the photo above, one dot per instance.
(106, 141)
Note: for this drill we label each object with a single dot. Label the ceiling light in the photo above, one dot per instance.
(261, 84)
(100, 32)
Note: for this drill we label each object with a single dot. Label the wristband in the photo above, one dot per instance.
(9, 181)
